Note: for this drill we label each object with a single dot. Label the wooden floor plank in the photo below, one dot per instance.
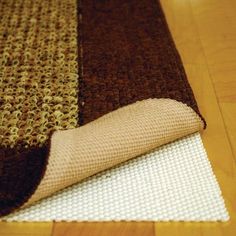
(232, 4)
(216, 26)
(215, 19)
(229, 113)
(224, 79)
(183, 30)
(104, 229)
(25, 229)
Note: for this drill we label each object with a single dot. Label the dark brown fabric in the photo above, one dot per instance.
(128, 55)
(20, 173)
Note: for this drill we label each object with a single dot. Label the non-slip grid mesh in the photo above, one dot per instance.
(38, 70)
(121, 135)
(174, 182)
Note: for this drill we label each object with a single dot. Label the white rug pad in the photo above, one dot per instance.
(173, 183)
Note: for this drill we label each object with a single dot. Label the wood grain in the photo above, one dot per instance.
(229, 112)
(180, 18)
(104, 229)
(216, 28)
(25, 229)
(223, 77)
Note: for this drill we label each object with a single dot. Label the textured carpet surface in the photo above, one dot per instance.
(128, 55)
(38, 89)
(66, 63)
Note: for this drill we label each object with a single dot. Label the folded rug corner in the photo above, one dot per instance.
(86, 85)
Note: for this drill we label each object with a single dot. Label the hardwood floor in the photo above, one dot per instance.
(205, 34)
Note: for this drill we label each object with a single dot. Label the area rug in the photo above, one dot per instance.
(85, 85)
(174, 182)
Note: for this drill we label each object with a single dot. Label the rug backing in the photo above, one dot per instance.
(173, 183)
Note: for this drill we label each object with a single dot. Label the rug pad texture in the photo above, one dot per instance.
(174, 182)
(85, 85)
